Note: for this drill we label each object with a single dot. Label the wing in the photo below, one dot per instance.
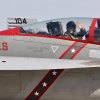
(25, 63)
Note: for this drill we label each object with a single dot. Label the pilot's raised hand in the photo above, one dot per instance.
(79, 25)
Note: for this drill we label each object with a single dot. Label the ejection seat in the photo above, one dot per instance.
(55, 28)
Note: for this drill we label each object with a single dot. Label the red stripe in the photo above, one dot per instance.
(73, 56)
(60, 71)
(62, 56)
(46, 76)
(91, 34)
(53, 37)
(15, 32)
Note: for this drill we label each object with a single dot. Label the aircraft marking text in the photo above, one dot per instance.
(4, 46)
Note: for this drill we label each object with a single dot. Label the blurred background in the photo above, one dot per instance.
(47, 9)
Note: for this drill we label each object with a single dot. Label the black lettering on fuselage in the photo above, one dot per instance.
(21, 21)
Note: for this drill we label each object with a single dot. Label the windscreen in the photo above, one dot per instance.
(73, 28)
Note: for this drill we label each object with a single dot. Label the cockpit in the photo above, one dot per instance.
(72, 28)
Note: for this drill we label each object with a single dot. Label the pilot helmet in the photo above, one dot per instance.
(71, 27)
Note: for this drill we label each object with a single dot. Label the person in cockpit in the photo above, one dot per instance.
(82, 33)
(71, 30)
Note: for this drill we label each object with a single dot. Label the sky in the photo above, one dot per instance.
(47, 9)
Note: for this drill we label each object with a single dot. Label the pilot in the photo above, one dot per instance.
(71, 30)
(82, 33)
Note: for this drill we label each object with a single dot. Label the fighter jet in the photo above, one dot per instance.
(68, 47)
